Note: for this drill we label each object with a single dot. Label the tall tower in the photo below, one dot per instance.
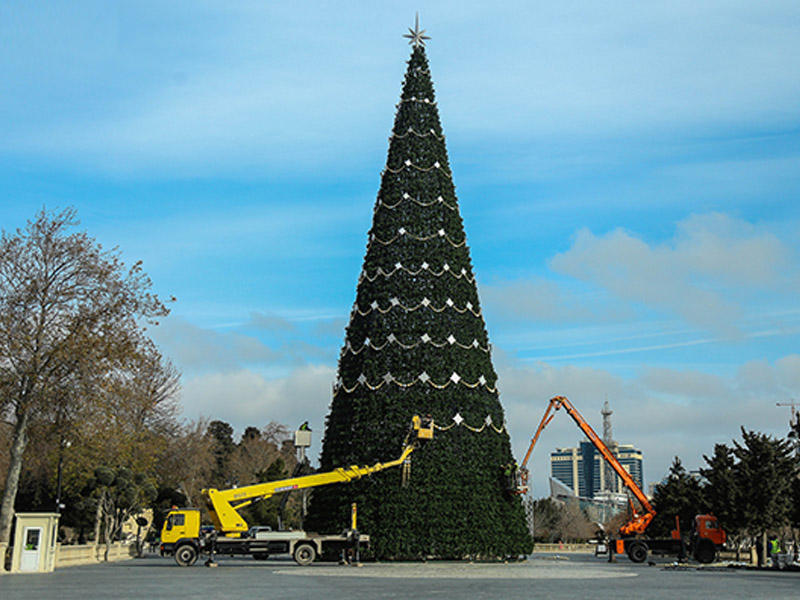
(609, 477)
(417, 344)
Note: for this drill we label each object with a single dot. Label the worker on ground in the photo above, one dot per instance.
(774, 550)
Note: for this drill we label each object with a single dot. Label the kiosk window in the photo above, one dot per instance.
(32, 539)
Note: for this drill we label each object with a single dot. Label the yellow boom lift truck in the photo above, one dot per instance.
(183, 538)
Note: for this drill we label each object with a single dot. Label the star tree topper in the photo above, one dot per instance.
(416, 35)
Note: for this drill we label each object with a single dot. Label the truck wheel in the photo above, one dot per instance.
(637, 552)
(185, 555)
(705, 551)
(304, 554)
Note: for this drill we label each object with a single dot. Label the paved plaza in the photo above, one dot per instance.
(575, 576)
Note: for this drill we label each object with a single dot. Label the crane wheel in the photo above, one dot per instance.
(705, 552)
(304, 554)
(186, 555)
(637, 552)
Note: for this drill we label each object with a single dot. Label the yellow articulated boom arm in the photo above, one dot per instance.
(223, 504)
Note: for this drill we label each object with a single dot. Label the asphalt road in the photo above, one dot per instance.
(576, 576)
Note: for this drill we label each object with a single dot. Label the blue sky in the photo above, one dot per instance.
(628, 174)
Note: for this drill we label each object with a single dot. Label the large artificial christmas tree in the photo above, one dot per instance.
(417, 344)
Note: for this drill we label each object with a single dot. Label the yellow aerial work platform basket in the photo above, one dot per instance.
(423, 427)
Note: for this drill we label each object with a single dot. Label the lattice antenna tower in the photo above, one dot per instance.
(609, 477)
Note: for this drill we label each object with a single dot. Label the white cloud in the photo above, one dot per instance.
(244, 397)
(732, 250)
(678, 387)
(197, 349)
(542, 299)
(193, 347)
(271, 322)
(706, 274)
(789, 372)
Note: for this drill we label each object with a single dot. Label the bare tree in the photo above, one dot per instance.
(251, 459)
(555, 520)
(187, 461)
(69, 311)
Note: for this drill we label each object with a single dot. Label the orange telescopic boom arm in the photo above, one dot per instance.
(638, 523)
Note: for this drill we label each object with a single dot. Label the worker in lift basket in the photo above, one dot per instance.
(304, 427)
(510, 471)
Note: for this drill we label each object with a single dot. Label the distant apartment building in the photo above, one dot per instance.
(580, 468)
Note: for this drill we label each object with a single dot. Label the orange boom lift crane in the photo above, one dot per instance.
(704, 541)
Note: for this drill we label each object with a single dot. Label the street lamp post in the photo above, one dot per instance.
(64, 444)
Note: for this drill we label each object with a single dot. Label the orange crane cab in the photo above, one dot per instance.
(705, 539)
(707, 527)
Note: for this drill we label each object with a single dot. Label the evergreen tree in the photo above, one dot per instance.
(794, 516)
(721, 492)
(766, 472)
(250, 433)
(794, 432)
(794, 438)
(417, 344)
(680, 495)
(221, 434)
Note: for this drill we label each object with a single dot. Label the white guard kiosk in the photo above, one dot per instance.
(35, 543)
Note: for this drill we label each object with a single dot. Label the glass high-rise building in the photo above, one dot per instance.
(580, 468)
(564, 467)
